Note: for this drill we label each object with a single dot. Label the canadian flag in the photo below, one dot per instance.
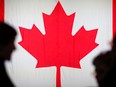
(57, 40)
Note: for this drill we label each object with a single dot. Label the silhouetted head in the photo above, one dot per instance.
(7, 37)
(104, 63)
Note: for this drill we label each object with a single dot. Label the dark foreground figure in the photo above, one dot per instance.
(7, 37)
(105, 67)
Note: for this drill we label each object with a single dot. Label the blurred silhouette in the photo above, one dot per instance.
(105, 67)
(7, 37)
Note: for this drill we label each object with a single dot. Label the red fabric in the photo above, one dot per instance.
(114, 17)
(2, 10)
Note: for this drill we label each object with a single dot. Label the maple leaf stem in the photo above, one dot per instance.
(58, 80)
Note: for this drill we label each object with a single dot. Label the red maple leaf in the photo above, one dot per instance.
(58, 47)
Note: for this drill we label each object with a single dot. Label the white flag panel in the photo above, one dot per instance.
(91, 14)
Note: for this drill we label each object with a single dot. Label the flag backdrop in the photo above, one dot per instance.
(58, 40)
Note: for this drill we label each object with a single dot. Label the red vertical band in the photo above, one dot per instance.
(114, 17)
(2, 10)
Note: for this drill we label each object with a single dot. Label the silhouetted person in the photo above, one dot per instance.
(105, 67)
(7, 37)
